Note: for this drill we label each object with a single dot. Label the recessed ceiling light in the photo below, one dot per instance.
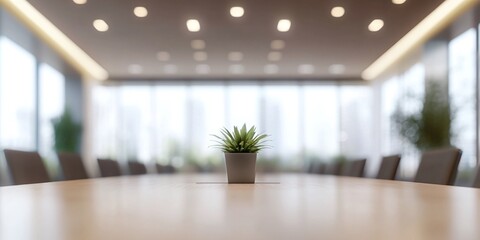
(170, 69)
(237, 12)
(277, 44)
(236, 69)
(284, 25)
(338, 12)
(202, 69)
(235, 56)
(100, 25)
(193, 25)
(270, 69)
(274, 56)
(336, 69)
(80, 1)
(198, 44)
(375, 25)
(140, 11)
(163, 56)
(399, 1)
(200, 56)
(306, 69)
(135, 69)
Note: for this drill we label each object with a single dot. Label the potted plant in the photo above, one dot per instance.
(240, 147)
(430, 127)
(66, 133)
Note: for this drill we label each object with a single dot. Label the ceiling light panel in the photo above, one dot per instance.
(338, 12)
(100, 25)
(277, 44)
(236, 69)
(337, 69)
(398, 1)
(284, 25)
(200, 56)
(193, 25)
(202, 69)
(235, 56)
(237, 12)
(80, 1)
(274, 56)
(135, 69)
(170, 69)
(375, 25)
(198, 44)
(270, 69)
(306, 69)
(163, 56)
(140, 11)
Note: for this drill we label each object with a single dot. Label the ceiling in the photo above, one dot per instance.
(315, 39)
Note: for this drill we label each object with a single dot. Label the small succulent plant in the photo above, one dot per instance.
(240, 140)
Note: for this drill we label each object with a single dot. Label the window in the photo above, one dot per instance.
(322, 122)
(173, 123)
(390, 141)
(413, 92)
(403, 93)
(461, 88)
(17, 96)
(243, 106)
(207, 116)
(170, 124)
(356, 112)
(106, 119)
(282, 122)
(136, 123)
(51, 105)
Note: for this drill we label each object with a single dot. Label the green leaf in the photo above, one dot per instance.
(240, 140)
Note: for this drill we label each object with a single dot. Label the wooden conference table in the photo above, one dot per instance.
(204, 207)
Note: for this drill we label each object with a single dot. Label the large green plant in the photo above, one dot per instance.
(240, 141)
(431, 126)
(67, 133)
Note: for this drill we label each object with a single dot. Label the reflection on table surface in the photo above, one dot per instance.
(205, 207)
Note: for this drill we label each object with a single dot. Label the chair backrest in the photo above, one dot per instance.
(72, 166)
(136, 168)
(388, 167)
(476, 181)
(439, 166)
(320, 168)
(164, 168)
(334, 168)
(354, 168)
(26, 167)
(109, 168)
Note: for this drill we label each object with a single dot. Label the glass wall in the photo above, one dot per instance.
(402, 93)
(390, 95)
(17, 96)
(173, 123)
(356, 121)
(282, 116)
(51, 106)
(321, 128)
(25, 121)
(462, 92)
(170, 135)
